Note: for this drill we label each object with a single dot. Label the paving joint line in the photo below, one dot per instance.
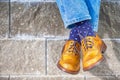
(53, 38)
(53, 1)
(9, 22)
(11, 75)
(85, 78)
(46, 56)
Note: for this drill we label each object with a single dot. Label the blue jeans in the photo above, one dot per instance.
(73, 11)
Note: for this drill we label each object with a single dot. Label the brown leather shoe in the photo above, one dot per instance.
(92, 49)
(70, 57)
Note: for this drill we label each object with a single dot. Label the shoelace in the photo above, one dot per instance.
(73, 48)
(88, 42)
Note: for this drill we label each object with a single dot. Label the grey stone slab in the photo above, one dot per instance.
(110, 0)
(33, 1)
(4, 77)
(43, 19)
(48, 0)
(54, 48)
(67, 78)
(4, 17)
(22, 56)
(46, 78)
(110, 66)
(36, 19)
(27, 78)
(4, 0)
(103, 78)
(109, 20)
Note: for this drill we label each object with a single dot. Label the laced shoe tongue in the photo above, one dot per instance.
(73, 48)
(89, 43)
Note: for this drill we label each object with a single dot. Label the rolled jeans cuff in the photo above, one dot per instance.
(71, 23)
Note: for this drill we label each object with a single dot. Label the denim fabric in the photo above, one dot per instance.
(73, 11)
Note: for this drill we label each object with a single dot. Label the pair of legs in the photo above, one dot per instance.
(74, 11)
(81, 16)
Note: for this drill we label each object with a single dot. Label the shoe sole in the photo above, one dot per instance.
(94, 65)
(103, 49)
(65, 70)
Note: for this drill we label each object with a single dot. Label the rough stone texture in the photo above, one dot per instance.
(37, 19)
(22, 56)
(112, 77)
(4, 77)
(103, 78)
(43, 19)
(4, 19)
(33, 1)
(108, 67)
(46, 78)
(54, 48)
(110, 19)
(27, 78)
(4, 0)
(66, 78)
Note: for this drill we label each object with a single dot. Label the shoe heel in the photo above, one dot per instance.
(103, 48)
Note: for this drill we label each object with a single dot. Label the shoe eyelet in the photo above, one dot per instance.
(75, 54)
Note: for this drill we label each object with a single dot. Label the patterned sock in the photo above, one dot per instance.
(74, 34)
(81, 30)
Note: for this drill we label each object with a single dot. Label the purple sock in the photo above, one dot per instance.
(81, 30)
(74, 34)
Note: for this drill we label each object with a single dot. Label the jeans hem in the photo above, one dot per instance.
(70, 24)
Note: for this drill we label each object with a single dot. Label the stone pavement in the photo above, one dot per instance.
(32, 36)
